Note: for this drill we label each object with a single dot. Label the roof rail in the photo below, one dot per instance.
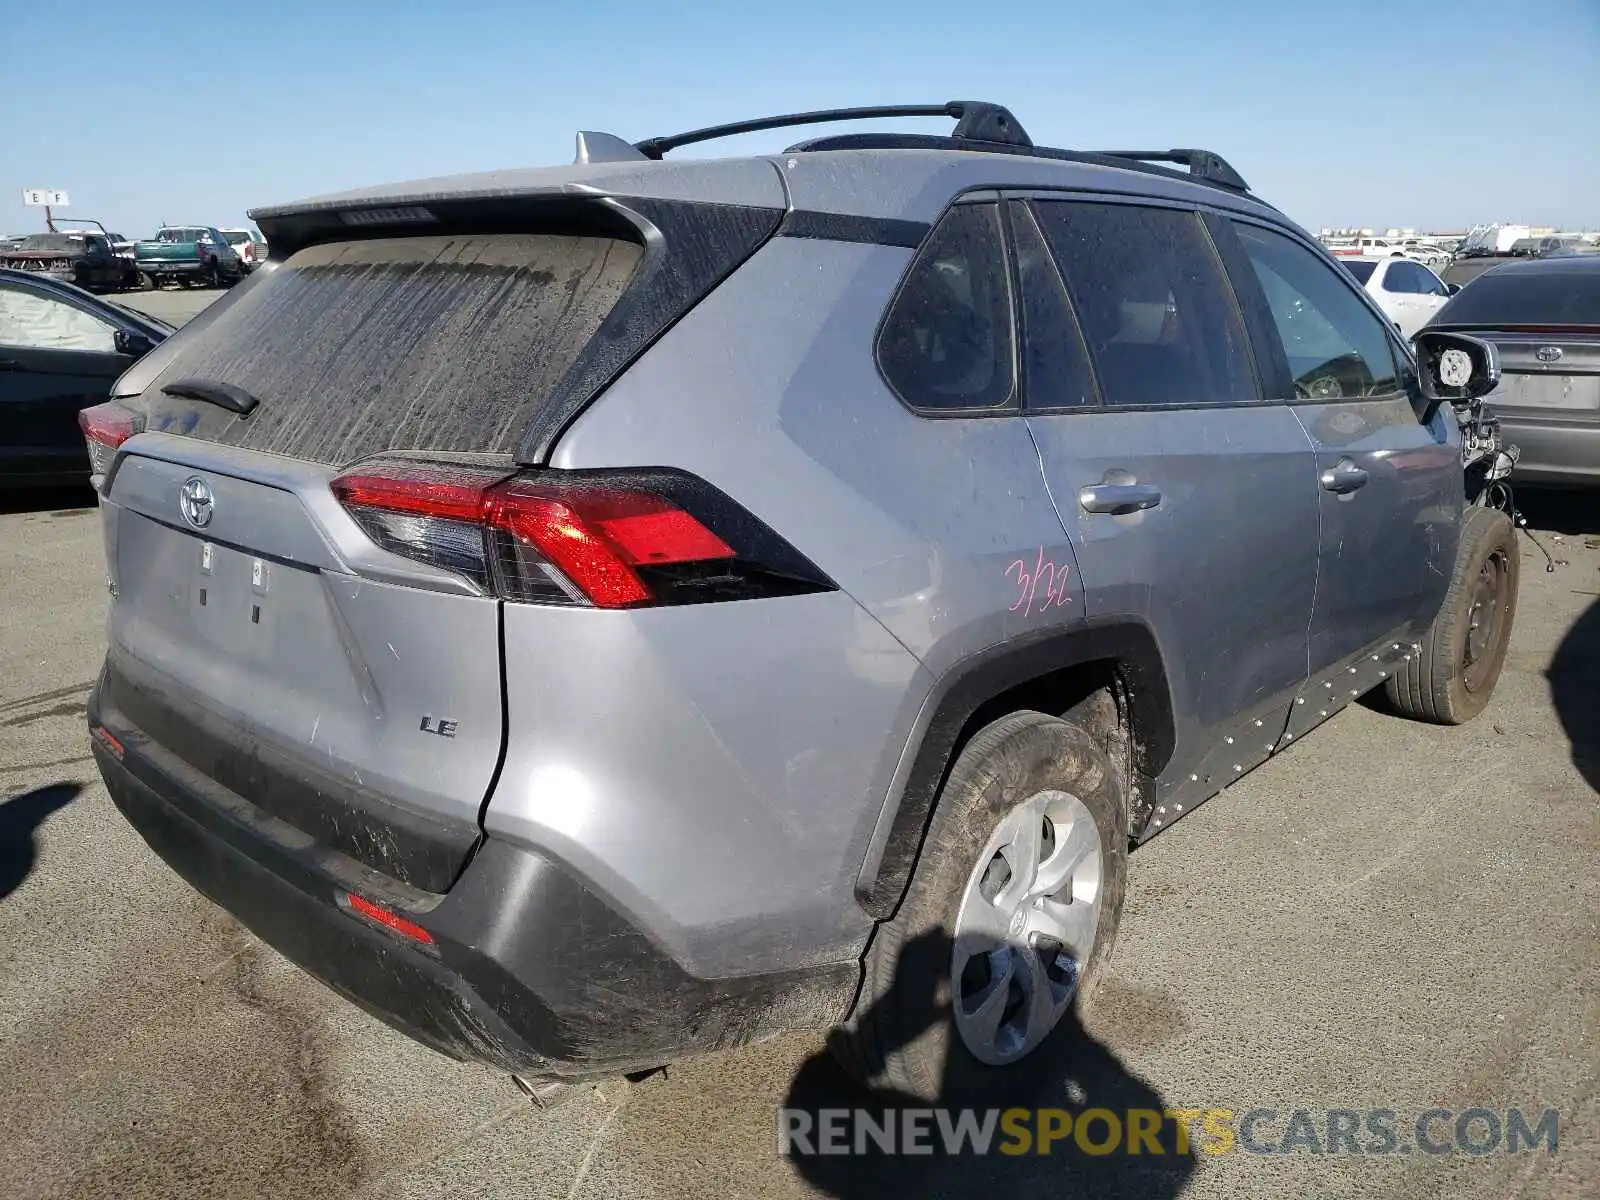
(1203, 164)
(976, 120)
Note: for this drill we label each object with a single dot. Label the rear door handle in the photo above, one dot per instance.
(1343, 477)
(1118, 497)
(10, 364)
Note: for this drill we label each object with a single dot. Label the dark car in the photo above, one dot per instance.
(86, 259)
(60, 351)
(1544, 315)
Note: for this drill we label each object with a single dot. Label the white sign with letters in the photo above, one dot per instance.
(42, 197)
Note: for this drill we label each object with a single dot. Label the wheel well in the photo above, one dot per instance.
(1119, 694)
(1094, 695)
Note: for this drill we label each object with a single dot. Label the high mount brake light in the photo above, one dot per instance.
(105, 427)
(622, 540)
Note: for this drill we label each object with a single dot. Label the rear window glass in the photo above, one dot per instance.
(946, 343)
(1562, 296)
(446, 343)
(58, 243)
(1361, 270)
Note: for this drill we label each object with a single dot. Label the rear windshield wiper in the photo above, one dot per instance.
(223, 395)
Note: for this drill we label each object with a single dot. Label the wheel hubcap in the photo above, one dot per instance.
(1026, 927)
(1484, 619)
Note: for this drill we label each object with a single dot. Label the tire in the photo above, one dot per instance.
(904, 1032)
(213, 275)
(147, 282)
(1450, 679)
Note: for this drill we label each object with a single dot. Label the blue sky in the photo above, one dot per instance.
(1428, 113)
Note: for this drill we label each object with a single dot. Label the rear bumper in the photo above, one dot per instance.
(529, 970)
(1555, 449)
(171, 268)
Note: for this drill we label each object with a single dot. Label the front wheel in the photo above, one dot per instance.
(1453, 674)
(1009, 918)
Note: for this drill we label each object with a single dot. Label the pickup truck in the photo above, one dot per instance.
(188, 254)
(85, 259)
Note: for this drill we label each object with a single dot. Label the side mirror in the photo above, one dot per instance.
(135, 345)
(1454, 368)
(1450, 289)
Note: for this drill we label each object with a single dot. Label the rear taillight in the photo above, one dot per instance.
(596, 539)
(105, 427)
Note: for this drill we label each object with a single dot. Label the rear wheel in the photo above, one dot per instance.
(1453, 674)
(213, 274)
(1009, 917)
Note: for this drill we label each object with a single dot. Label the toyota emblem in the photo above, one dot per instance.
(196, 501)
(1548, 354)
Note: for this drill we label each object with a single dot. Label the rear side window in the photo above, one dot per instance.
(446, 343)
(1154, 306)
(946, 343)
(1361, 270)
(1558, 295)
(1336, 346)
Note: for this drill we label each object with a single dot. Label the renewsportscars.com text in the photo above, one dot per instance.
(1097, 1131)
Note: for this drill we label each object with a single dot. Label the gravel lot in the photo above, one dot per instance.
(1387, 916)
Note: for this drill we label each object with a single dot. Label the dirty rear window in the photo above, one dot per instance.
(445, 343)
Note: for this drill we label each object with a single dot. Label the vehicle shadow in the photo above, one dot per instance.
(1574, 676)
(1085, 1075)
(19, 818)
(66, 499)
(1567, 511)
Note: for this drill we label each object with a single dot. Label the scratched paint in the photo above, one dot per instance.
(1054, 577)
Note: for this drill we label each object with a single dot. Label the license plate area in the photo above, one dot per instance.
(1548, 392)
(231, 598)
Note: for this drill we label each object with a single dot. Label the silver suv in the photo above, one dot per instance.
(597, 614)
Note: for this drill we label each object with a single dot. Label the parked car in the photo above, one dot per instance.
(1407, 291)
(188, 254)
(1544, 317)
(250, 246)
(86, 259)
(60, 350)
(661, 604)
(1365, 247)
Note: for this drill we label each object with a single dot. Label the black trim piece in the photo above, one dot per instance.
(923, 141)
(842, 227)
(689, 249)
(529, 970)
(1272, 367)
(410, 848)
(976, 680)
(974, 119)
(1202, 164)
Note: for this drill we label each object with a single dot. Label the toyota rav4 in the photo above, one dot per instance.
(597, 614)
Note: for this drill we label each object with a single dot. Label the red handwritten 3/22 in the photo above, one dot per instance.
(1055, 583)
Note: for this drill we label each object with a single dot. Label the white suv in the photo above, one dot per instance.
(1407, 291)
